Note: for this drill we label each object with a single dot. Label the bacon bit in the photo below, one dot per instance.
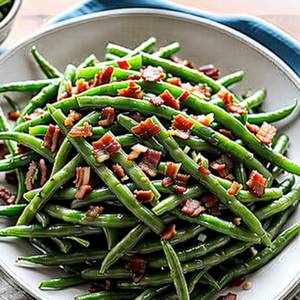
(229, 296)
(153, 74)
(119, 170)
(133, 77)
(205, 120)
(150, 162)
(234, 188)
(185, 62)
(183, 96)
(44, 171)
(133, 91)
(94, 288)
(146, 129)
(210, 71)
(109, 284)
(82, 191)
(51, 139)
(73, 116)
(107, 117)
(219, 163)
(136, 151)
(237, 282)
(237, 221)
(169, 100)
(81, 86)
(82, 176)
(3, 150)
(156, 101)
(228, 133)
(124, 64)
(227, 99)
(138, 267)
(13, 115)
(69, 88)
(169, 232)
(266, 133)
(180, 183)
(104, 76)
(182, 127)
(55, 139)
(167, 181)
(144, 196)
(210, 200)
(105, 148)
(37, 112)
(171, 170)
(63, 96)
(23, 149)
(256, 184)
(11, 177)
(174, 81)
(94, 211)
(136, 116)
(203, 90)
(7, 196)
(252, 127)
(29, 176)
(86, 130)
(215, 211)
(192, 207)
(203, 170)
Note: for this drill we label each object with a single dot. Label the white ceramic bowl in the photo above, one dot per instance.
(202, 42)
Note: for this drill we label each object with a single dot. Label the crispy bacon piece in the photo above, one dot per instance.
(73, 116)
(171, 170)
(124, 64)
(81, 86)
(3, 150)
(174, 81)
(183, 96)
(23, 149)
(227, 99)
(228, 133)
(169, 100)
(266, 133)
(192, 207)
(136, 116)
(13, 115)
(205, 120)
(234, 188)
(82, 181)
(144, 196)
(86, 130)
(229, 296)
(256, 184)
(36, 113)
(181, 127)
(51, 139)
(109, 284)
(185, 62)
(252, 127)
(136, 151)
(150, 162)
(82, 191)
(202, 169)
(29, 176)
(169, 232)
(133, 91)
(210, 70)
(119, 170)
(44, 171)
(104, 76)
(203, 90)
(94, 211)
(11, 177)
(153, 74)
(237, 282)
(94, 288)
(107, 117)
(105, 148)
(223, 165)
(209, 200)
(138, 267)
(146, 129)
(133, 77)
(180, 183)
(156, 101)
(7, 196)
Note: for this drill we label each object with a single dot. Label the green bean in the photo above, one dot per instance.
(49, 188)
(104, 295)
(61, 283)
(120, 190)
(11, 210)
(240, 173)
(112, 236)
(269, 194)
(13, 104)
(63, 245)
(144, 46)
(167, 51)
(88, 62)
(135, 62)
(176, 270)
(37, 231)
(231, 78)
(255, 99)
(152, 292)
(49, 70)
(211, 183)
(28, 141)
(109, 57)
(69, 76)
(78, 217)
(17, 161)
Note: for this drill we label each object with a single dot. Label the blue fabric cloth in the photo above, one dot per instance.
(268, 35)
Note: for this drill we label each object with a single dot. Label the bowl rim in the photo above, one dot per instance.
(11, 14)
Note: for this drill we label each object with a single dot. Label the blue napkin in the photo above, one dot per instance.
(270, 36)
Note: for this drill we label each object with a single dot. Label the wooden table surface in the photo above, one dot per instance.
(284, 14)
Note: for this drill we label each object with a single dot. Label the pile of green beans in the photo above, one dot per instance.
(97, 249)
